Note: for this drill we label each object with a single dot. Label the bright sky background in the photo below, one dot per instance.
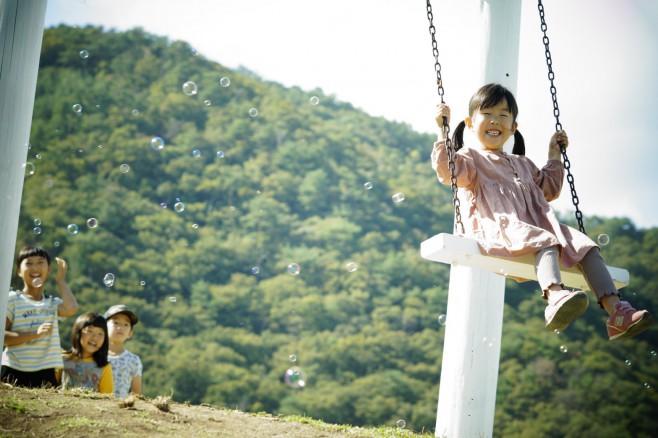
(377, 55)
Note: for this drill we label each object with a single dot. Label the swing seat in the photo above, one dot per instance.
(458, 250)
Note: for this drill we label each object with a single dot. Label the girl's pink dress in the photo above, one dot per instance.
(504, 203)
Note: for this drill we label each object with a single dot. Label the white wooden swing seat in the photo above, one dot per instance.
(458, 250)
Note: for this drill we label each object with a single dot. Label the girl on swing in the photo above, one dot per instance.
(508, 213)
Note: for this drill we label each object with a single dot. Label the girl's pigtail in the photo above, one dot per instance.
(458, 136)
(519, 144)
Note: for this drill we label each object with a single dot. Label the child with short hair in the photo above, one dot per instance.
(32, 350)
(85, 363)
(126, 366)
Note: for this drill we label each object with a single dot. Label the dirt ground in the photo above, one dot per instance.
(51, 413)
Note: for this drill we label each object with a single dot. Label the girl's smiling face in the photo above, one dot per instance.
(91, 340)
(493, 125)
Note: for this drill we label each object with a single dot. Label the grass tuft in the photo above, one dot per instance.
(162, 403)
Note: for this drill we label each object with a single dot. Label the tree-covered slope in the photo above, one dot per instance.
(269, 236)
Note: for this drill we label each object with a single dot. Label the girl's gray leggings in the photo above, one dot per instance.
(547, 268)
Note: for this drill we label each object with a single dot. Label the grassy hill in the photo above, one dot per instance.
(49, 413)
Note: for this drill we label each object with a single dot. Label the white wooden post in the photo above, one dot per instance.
(471, 351)
(21, 33)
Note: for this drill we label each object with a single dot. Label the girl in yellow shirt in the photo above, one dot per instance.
(86, 364)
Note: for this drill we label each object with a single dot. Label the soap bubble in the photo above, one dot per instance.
(142, 283)
(442, 319)
(77, 108)
(401, 424)
(224, 82)
(603, 239)
(292, 358)
(72, 229)
(29, 168)
(135, 112)
(351, 266)
(294, 269)
(37, 230)
(55, 243)
(628, 362)
(647, 385)
(190, 88)
(314, 100)
(37, 282)
(398, 197)
(253, 112)
(367, 185)
(179, 207)
(195, 226)
(172, 299)
(108, 280)
(220, 154)
(653, 353)
(196, 153)
(48, 183)
(84, 54)
(124, 168)
(295, 378)
(563, 349)
(37, 156)
(255, 270)
(556, 331)
(157, 143)
(37, 221)
(207, 102)
(92, 222)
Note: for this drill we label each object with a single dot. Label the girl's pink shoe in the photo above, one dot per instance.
(627, 322)
(563, 306)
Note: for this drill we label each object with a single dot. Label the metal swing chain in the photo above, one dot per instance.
(446, 127)
(558, 125)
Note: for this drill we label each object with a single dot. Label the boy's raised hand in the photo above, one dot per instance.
(69, 305)
(62, 267)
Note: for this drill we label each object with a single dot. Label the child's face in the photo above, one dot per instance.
(34, 272)
(119, 328)
(91, 340)
(493, 125)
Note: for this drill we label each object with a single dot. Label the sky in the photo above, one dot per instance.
(377, 55)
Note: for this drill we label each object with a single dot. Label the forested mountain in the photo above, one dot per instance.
(268, 238)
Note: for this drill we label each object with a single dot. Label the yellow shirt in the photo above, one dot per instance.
(84, 373)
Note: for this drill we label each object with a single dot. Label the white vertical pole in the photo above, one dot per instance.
(471, 350)
(21, 33)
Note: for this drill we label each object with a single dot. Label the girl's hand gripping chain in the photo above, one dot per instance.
(558, 139)
(442, 117)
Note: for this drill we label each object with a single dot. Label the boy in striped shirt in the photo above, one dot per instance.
(32, 347)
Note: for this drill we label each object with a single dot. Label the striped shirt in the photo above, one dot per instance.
(26, 315)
